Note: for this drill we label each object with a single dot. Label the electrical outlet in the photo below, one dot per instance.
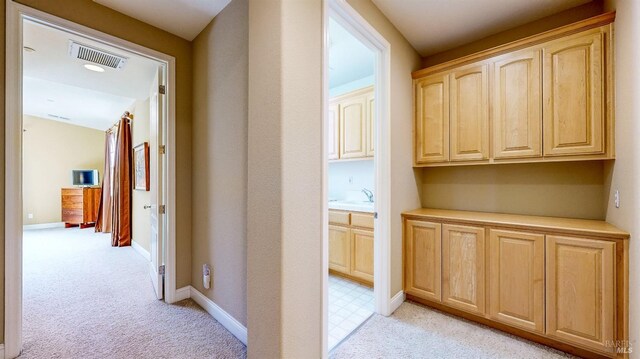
(616, 199)
(30, 215)
(350, 179)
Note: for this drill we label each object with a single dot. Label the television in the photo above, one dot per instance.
(84, 178)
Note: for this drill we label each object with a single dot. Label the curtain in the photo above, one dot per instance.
(121, 206)
(104, 223)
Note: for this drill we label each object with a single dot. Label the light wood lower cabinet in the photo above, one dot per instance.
(516, 279)
(351, 245)
(580, 291)
(463, 267)
(339, 249)
(422, 259)
(561, 282)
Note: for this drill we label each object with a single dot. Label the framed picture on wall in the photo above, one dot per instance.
(141, 167)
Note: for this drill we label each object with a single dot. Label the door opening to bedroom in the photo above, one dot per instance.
(94, 181)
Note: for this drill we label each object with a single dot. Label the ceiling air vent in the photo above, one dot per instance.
(96, 56)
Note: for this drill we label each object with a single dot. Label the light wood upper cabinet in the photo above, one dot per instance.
(469, 120)
(334, 133)
(580, 291)
(573, 73)
(362, 254)
(371, 125)
(516, 279)
(463, 253)
(545, 98)
(353, 127)
(422, 259)
(432, 119)
(339, 249)
(517, 105)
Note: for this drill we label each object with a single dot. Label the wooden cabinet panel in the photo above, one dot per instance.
(470, 113)
(339, 217)
(334, 133)
(580, 291)
(362, 254)
(516, 279)
(432, 119)
(353, 127)
(517, 109)
(339, 249)
(574, 118)
(463, 253)
(423, 259)
(371, 125)
(363, 220)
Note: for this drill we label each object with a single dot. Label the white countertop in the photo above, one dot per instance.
(355, 206)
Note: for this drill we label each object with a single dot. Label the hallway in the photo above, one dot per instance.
(86, 299)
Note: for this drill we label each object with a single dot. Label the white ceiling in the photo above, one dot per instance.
(185, 18)
(433, 26)
(349, 59)
(59, 85)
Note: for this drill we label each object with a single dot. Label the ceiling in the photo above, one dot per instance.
(184, 18)
(433, 26)
(349, 59)
(57, 86)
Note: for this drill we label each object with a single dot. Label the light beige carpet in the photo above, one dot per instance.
(414, 331)
(86, 299)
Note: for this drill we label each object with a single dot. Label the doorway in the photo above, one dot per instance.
(41, 97)
(362, 167)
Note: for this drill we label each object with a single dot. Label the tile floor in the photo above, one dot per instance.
(350, 305)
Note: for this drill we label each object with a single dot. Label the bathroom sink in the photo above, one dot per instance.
(358, 206)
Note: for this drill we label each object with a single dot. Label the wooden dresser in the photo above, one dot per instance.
(558, 281)
(80, 206)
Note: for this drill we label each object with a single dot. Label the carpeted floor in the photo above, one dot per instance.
(414, 331)
(86, 299)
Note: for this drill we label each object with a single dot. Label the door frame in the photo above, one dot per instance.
(15, 14)
(351, 20)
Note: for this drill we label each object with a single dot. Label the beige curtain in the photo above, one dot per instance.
(121, 206)
(104, 223)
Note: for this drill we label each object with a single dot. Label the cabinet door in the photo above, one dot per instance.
(334, 133)
(470, 113)
(353, 127)
(516, 279)
(463, 268)
(517, 105)
(339, 249)
(422, 259)
(362, 254)
(580, 291)
(371, 125)
(432, 119)
(573, 95)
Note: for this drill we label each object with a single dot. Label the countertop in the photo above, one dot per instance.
(355, 206)
(559, 225)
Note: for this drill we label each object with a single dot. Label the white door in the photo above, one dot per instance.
(156, 139)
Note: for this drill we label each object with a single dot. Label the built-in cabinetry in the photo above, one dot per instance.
(351, 125)
(544, 98)
(562, 282)
(351, 245)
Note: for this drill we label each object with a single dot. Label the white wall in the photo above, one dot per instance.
(361, 174)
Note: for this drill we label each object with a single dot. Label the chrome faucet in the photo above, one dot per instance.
(369, 194)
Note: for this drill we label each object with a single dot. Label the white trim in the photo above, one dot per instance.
(183, 293)
(397, 301)
(28, 227)
(224, 318)
(15, 13)
(143, 252)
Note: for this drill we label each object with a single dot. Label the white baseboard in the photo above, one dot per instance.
(182, 293)
(396, 302)
(224, 318)
(28, 227)
(143, 252)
